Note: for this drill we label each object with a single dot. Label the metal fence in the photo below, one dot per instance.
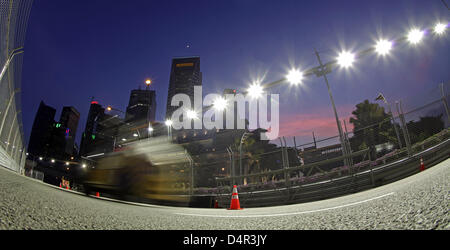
(13, 23)
(398, 133)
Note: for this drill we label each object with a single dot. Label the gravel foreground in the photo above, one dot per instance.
(417, 202)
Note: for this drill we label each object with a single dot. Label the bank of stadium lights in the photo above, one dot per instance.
(346, 59)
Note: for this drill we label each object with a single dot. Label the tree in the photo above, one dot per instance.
(425, 127)
(372, 126)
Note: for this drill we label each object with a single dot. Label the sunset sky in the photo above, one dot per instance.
(78, 49)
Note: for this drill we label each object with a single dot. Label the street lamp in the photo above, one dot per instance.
(244, 136)
(344, 59)
(147, 83)
(381, 97)
(169, 128)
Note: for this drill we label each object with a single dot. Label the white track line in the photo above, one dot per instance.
(285, 214)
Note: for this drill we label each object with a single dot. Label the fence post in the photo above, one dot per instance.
(404, 128)
(286, 158)
(444, 101)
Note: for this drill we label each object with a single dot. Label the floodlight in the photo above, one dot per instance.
(294, 77)
(383, 47)
(415, 36)
(255, 90)
(346, 59)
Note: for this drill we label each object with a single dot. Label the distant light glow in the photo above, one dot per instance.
(148, 81)
(220, 103)
(83, 166)
(94, 102)
(415, 36)
(150, 129)
(294, 76)
(169, 123)
(135, 135)
(109, 108)
(383, 47)
(346, 59)
(255, 90)
(67, 164)
(191, 114)
(123, 139)
(53, 160)
(440, 28)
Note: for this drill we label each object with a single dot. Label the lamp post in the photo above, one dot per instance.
(169, 128)
(243, 137)
(381, 97)
(323, 72)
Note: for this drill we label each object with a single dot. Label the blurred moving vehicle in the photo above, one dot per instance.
(154, 171)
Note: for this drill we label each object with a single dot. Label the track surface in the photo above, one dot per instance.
(417, 202)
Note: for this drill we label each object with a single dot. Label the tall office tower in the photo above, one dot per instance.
(142, 106)
(41, 131)
(69, 121)
(184, 75)
(96, 111)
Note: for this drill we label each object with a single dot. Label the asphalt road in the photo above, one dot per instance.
(418, 202)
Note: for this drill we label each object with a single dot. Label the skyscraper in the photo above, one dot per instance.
(41, 130)
(95, 113)
(184, 75)
(69, 121)
(100, 133)
(142, 106)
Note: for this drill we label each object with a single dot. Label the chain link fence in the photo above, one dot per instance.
(13, 23)
(372, 137)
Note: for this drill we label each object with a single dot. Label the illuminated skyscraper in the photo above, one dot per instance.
(184, 75)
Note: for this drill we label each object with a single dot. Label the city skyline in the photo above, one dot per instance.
(262, 51)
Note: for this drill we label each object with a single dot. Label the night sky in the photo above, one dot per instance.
(76, 49)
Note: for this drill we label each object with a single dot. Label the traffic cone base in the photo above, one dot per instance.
(97, 194)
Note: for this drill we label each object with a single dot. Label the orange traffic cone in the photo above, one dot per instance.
(235, 200)
(67, 187)
(216, 204)
(97, 194)
(60, 184)
(422, 166)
